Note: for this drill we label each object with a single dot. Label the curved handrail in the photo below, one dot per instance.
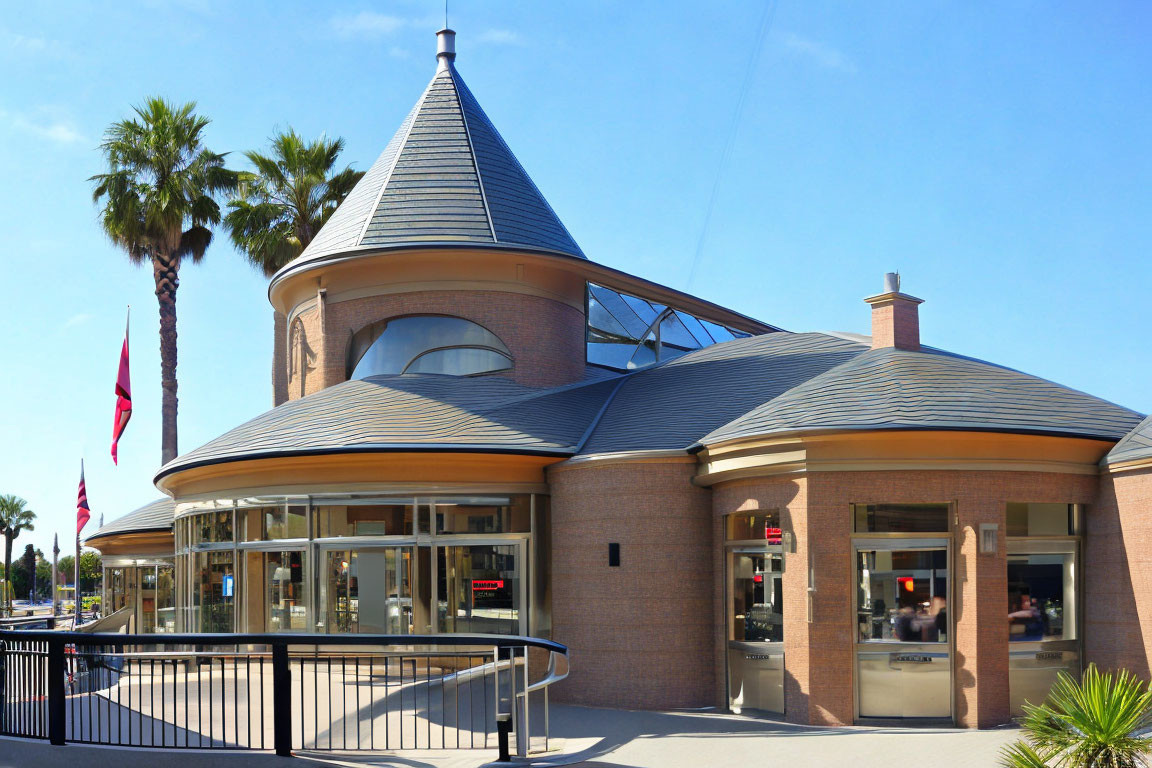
(284, 638)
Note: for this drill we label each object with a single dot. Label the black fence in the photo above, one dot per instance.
(281, 692)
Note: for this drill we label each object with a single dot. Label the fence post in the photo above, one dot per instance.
(57, 711)
(281, 700)
(3, 686)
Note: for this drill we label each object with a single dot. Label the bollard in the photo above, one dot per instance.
(503, 727)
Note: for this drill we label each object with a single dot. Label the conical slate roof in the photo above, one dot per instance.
(446, 178)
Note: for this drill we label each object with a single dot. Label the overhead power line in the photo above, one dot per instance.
(757, 48)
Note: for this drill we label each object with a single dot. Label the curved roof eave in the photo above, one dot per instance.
(133, 532)
(857, 428)
(169, 470)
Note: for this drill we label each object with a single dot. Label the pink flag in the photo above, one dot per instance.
(83, 513)
(123, 398)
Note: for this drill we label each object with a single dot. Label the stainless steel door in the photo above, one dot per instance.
(1043, 618)
(903, 628)
(755, 629)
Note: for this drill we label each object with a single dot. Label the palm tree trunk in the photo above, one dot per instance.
(165, 271)
(8, 573)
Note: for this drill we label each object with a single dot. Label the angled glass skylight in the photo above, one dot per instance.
(627, 332)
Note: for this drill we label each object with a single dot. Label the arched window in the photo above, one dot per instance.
(439, 344)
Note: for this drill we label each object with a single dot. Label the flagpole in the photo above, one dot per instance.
(76, 565)
(55, 575)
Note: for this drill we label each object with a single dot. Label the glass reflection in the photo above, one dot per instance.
(1041, 603)
(627, 332)
(369, 590)
(479, 589)
(757, 597)
(903, 596)
(426, 344)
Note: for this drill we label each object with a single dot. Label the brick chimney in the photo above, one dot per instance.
(895, 317)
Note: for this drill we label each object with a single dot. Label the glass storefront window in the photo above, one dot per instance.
(903, 595)
(286, 601)
(1041, 597)
(211, 527)
(1041, 519)
(165, 600)
(363, 519)
(900, 518)
(213, 591)
(762, 525)
(484, 515)
(369, 590)
(287, 522)
(479, 588)
(408, 554)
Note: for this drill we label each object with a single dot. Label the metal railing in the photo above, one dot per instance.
(279, 692)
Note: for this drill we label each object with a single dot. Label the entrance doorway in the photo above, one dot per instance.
(756, 629)
(480, 588)
(369, 590)
(903, 628)
(1043, 618)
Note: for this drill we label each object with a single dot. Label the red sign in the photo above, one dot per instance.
(774, 535)
(487, 586)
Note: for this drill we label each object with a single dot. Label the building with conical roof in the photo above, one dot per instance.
(479, 428)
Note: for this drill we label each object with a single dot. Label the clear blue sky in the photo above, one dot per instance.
(996, 153)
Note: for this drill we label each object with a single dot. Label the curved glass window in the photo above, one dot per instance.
(439, 344)
(627, 332)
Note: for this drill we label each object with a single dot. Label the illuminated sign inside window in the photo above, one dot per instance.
(907, 582)
(773, 535)
(487, 586)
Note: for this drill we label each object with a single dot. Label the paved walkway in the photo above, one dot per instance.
(603, 738)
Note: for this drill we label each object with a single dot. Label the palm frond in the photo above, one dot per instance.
(281, 205)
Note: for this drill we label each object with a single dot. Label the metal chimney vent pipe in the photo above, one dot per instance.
(445, 47)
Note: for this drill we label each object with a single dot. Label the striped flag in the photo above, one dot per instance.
(123, 396)
(83, 513)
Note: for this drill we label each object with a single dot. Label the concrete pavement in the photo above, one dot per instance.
(602, 738)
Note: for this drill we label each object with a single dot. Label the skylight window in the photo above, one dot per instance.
(627, 332)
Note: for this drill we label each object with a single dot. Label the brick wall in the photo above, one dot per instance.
(641, 635)
(1118, 574)
(545, 337)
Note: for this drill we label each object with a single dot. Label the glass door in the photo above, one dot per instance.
(369, 590)
(480, 589)
(756, 629)
(1043, 618)
(285, 598)
(903, 628)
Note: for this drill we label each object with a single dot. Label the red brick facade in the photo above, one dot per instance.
(1118, 573)
(640, 635)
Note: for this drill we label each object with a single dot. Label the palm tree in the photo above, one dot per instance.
(15, 517)
(1098, 722)
(158, 199)
(281, 206)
